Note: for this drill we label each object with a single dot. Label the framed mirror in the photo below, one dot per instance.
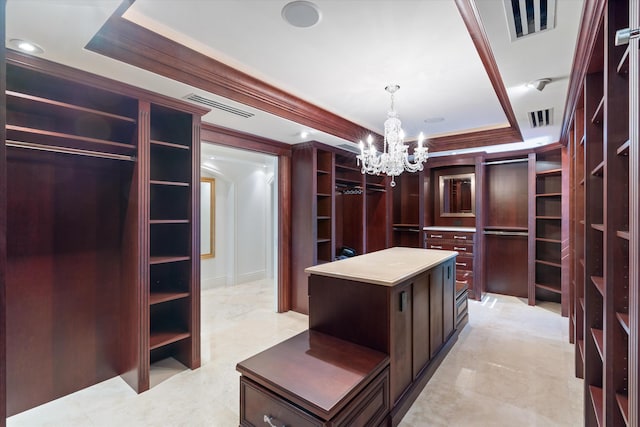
(207, 217)
(458, 195)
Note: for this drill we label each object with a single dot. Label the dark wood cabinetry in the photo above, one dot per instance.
(605, 305)
(334, 206)
(102, 232)
(408, 210)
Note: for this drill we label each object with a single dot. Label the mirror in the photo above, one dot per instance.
(458, 195)
(207, 217)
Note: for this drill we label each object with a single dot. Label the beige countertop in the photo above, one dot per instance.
(387, 267)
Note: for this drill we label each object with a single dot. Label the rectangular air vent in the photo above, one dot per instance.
(540, 118)
(220, 106)
(526, 17)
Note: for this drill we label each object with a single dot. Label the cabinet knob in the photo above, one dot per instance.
(455, 248)
(437, 236)
(460, 237)
(461, 264)
(435, 247)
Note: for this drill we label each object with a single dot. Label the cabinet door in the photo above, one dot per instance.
(421, 355)
(448, 297)
(401, 335)
(436, 308)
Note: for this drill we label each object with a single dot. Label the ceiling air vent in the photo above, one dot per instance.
(540, 118)
(526, 17)
(350, 147)
(220, 106)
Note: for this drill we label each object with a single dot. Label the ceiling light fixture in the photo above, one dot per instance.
(394, 158)
(26, 46)
(539, 84)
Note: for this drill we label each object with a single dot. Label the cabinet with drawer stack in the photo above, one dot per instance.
(462, 240)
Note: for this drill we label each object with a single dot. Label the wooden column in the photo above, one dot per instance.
(3, 218)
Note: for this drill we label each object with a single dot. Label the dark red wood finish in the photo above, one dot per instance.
(502, 277)
(507, 195)
(3, 218)
(315, 371)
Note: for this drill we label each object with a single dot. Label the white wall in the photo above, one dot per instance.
(244, 221)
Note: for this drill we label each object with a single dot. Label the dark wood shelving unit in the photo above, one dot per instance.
(121, 169)
(546, 239)
(407, 219)
(600, 146)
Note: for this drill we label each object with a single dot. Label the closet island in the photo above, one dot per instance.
(390, 311)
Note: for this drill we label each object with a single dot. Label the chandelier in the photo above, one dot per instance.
(394, 159)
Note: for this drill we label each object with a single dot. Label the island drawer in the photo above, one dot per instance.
(455, 236)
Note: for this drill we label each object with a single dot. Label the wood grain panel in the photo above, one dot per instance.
(508, 278)
(284, 233)
(507, 200)
(62, 335)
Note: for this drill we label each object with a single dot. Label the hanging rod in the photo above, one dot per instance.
(506, 233)
(65, 150)
(502, 162)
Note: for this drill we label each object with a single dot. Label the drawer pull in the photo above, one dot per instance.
(461, 264)
(460, 237)
(435, 247)
(437, 236)
(455, 248)
(462, 282)
(267, 420)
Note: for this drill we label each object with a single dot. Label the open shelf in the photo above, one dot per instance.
(599, 283)
(598, 338)
(623, 65)
(173, 183)
(599, 227)
(549, 195)
(160, 297)
(549, 172)
(623, 405)
(169, 221)
(623, 234)
(167, 259)
(599, 169)
(550, 288)
(552, 264)
(169, 144)
(623, 150)
(160, 339)
(596, 401)
(623, 318)
(599, 113)
(544, 239)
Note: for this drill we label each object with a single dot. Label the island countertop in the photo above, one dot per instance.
(387, 267)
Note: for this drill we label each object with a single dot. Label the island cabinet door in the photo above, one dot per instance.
(401, 336)
(448, 297)
(421, 354)
(436, 308)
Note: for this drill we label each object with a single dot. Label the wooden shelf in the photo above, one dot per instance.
(599, 283)
(323, 217)
(581, 261)
(550, 172)
(599, 169)
(499, 228)
(552, 264)
(160, 339)
(169, 144)
(347, 168)
(623, 65)
(172, 183)
(17, 101)
(160, 297)
(581, 300)
(623, 234)
(322, 172)
(167, 259)
(581, 348)
(348, 181)
(596, 401)
(550, 288)
(548, 217)
(581, 221)
(582, 140)
(169, 221)
(599, 113)
(623, 150)
(598, 338)
(323, 194)
(599, 227)
(544, 239)
(406, 225)
(60, 139)
(623, 405)
(581, 182)
(623, 318)
(549, 195)
(323, 240)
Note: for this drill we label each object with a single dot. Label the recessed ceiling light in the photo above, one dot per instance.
(26, 46)
(304, 134)
(301, 14)
(434, 120)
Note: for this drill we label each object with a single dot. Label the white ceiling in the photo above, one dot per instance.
(341, 64)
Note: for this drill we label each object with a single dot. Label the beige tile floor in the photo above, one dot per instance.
(512, 366)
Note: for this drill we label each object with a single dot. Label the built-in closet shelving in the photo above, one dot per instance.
(547, 234)
(408, 210)
(349, 202)
(600, 232)
(171, 250)
(102, 266)
(376, 209)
